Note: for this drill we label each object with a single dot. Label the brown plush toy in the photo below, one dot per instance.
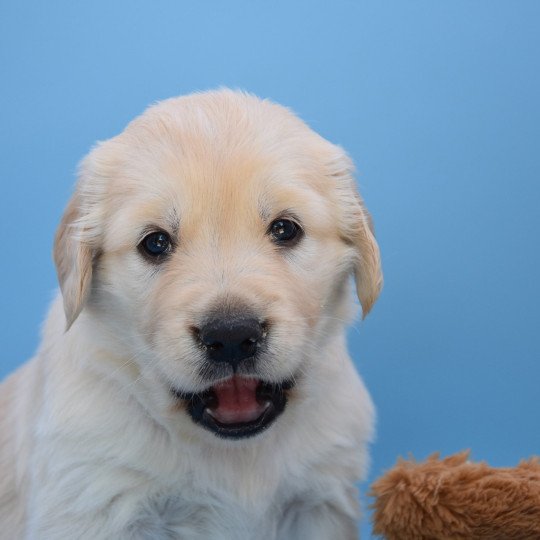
(452, 498)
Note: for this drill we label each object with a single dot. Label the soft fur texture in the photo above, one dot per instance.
(453, 499)
(93, 443)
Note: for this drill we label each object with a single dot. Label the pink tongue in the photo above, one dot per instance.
(237, 401)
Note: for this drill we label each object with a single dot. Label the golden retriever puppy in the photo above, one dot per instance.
(193, 381)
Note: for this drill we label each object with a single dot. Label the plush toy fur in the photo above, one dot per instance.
(452, 498)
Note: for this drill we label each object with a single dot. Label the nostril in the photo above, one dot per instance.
(250, 344)
(206, 339)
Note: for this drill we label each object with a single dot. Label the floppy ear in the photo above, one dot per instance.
(74, 259)
(357, 230)
(367, 271)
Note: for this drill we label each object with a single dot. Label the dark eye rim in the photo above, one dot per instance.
(155, 257)
(289, 242)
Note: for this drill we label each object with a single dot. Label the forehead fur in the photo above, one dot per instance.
(228, 150)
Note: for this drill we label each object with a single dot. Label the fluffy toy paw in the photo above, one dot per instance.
(453, 498)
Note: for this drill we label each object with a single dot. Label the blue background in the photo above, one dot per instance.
(436, 101)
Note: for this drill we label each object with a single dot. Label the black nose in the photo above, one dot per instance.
(231, 339)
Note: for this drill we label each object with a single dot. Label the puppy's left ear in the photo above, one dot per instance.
(74, 260)
(357, 230)
(368, 271)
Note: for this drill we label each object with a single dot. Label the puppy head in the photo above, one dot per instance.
(216, 235)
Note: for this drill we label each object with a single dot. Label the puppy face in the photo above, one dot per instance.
(215, 237)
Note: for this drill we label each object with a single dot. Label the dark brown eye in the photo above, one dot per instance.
(156, 244)
(285, 231)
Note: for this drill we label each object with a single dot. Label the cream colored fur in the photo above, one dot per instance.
(92, 443)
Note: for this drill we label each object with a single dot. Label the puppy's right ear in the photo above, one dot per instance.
(74, 260)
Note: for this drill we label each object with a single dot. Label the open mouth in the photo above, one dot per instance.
(237, 407)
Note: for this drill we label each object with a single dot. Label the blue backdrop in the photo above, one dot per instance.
(438, 104)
